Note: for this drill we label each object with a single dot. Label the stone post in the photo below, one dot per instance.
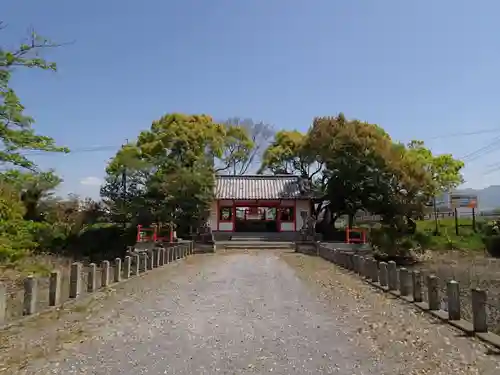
(75, 280)
(92, 278)
(433, 292)
(161, 254)
(30, 295)
(157, 257)
(151, 259)
(374, 273)
(137, 264)
(118, 270)
(144, 266)
(383, 274)
(55, 288)
(453, 295)
(105, 273)
(3, 303)
(404, 282)
(393, 275)
(479, 317)
(417, 286)
(127, 266)
(361, 266)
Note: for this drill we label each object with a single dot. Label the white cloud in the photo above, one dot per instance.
(91, 181)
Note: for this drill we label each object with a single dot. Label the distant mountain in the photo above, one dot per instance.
(488, 198)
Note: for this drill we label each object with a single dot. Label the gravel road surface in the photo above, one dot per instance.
(247, 313)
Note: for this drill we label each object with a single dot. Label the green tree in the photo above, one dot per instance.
(33, 187)
(169, 172)
(16, 128)
(445, 170)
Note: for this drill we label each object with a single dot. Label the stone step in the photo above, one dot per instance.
(254, 245)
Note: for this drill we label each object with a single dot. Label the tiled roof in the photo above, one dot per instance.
(257, 187)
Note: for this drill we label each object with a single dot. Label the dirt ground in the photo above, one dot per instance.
(471, 270)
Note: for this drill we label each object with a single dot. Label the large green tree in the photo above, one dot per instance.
(168, 174)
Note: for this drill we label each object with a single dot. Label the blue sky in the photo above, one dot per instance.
(420, 69)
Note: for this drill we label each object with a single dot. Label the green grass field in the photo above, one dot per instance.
(467, 238)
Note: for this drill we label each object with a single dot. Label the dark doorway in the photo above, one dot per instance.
(255, 219)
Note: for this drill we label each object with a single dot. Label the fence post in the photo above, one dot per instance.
(453, 295)
(3, 303)
(351, 262)
(137, 264)
(417, 286)
(361, 265)
(479, 317)
(105, 273)
(127, 267)
(151, 259)
(393, 275)
(54, 288)
(404, 287)
(92, 278)
(374, 272)
(433, 292)
(118, 270)
(74, 280)
(161, 257)
(383, 274)
(30, 294)
(144, 266)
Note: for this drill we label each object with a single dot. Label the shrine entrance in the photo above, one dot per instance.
(256, 219)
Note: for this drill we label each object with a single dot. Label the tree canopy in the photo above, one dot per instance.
(354, 165)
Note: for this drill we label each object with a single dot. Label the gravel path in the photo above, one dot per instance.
(252, 313)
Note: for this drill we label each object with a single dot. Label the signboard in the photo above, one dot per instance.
(463, 200)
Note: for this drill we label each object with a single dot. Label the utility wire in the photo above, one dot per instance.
(463, 134)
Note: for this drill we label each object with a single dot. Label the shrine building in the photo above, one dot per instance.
(259, 203)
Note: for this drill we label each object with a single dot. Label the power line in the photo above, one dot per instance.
(484, 150)
(464, 134)
(72, 151)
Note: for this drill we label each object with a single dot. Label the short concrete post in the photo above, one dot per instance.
(383, 274)
(117, 270)
(361, 266)
(351, 262)
(105, 273)
(479, 316)
(433, 293)
(176, 252)
(75, 280)
(137, 265)
(163, 253)
(144, 266)
(160, 257)
(3, 303)
(392, 275)
(157, 257)
(417, 286)
(404, 282)
(151, 259)
(127, 266)
(453, 295)
(374, 273)
(30, 295)
(92, 278)
(54, 288)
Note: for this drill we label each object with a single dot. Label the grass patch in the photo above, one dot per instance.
(447, 239)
